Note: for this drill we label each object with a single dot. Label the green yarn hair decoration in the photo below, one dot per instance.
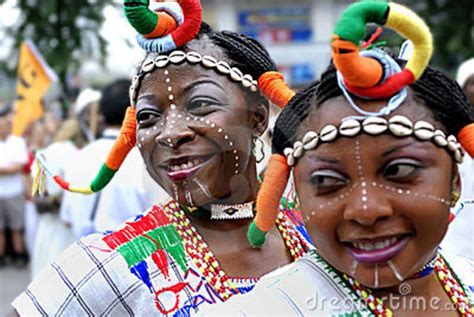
(139, 16)
(102, 179)
(255, 236)
(352, 25)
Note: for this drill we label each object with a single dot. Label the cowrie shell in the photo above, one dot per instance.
(458, 156)
(288, 151)
(291, 160)
(310, 140)
(236, 74)
(193, 57)
(400, 126)
(349, 128)
(148, 66)
(161, 61)
(223, 67)
(298, 149)
(452, 143)
(328, 133)
(247, 81)
(440, 138)
(209, 61)
(374, 125)
(423, 130)
(177, 57)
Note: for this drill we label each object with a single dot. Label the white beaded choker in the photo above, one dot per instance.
(398, 125)
(191, 57)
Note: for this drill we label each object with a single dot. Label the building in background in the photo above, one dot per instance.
(295, 32)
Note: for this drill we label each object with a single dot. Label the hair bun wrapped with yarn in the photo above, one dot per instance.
(164, 26)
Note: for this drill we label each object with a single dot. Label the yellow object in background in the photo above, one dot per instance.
(34, 79)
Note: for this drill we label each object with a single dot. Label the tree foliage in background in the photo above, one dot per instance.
(66, 32)
(452, 25)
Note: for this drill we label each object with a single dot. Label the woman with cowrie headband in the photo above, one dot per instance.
(197, 104)
(374, 149)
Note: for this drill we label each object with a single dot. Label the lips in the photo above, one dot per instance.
(377, 250)
(179, 169)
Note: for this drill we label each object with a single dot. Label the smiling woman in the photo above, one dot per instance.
(375, 170)
(197, 105)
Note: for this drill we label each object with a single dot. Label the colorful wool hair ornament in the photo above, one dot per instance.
(364, 76)
(164, 26)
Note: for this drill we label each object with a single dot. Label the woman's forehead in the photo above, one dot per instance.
(335, 110)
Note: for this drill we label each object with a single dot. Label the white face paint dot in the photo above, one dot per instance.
(167, 80)
(180, 115)
(219, 130)
(173, 106)
(202, 120)
(400, 191)
(188, 118)
(213, 125)
(235, 151)
(364, 198)
(226, 137)
(170, 88)
(148, 133)
(236, 158)
(162, 124)
(237, 165)
(168, 140)
(166, 72)
(171, 97)
(142, 139)
(236, 172)
(231, 144)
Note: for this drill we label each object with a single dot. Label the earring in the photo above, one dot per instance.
(454, 198)
(260, 150)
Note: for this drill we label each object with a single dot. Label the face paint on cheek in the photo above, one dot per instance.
(175, 192)
(187, 195)
(354, 268)
(376, 276)
(204, 189)
(416, 194)
(395, 270)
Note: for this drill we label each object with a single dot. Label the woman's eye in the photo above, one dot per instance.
(401, 170)
(201, 106)
(327, 180)
(147, 116)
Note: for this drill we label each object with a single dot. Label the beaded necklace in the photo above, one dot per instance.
(450, 284)
(205, 260)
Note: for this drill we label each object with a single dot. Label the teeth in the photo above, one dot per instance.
(368, 246)
(185, 166)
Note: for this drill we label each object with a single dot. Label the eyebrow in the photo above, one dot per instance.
(324, 159)
(398, 148)
(146, 97)
(200, 82)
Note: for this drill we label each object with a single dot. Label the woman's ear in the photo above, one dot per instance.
(456, 185)
(259, 115)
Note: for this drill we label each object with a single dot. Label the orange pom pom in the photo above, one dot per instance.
(273, 86)
(268, 200)
(166, 24)
(466, 137)
(358, 71)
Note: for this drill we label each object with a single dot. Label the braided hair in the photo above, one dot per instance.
(442, 95)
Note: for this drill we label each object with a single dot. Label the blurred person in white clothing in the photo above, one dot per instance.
(13, 157)
(125, 196)
(460, 239)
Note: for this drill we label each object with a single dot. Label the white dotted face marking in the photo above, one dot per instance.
(364, 194)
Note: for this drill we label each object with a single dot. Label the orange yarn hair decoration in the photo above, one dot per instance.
(125, 141)
(166, 24)
(350, 62)
(466, 138)
(268, 200)
(273, 86)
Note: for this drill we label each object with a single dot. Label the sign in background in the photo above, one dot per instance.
(277, 25)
